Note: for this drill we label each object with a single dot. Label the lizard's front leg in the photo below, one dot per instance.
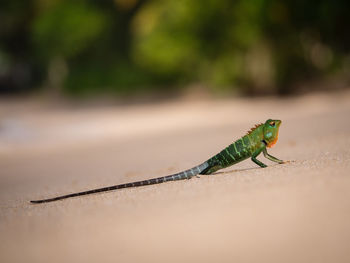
(271, 158)
(255, 154)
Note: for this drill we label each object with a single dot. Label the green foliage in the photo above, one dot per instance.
(67, 29)
(199, 39)
(132, 46)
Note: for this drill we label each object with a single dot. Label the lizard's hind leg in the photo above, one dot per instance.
(211, 170)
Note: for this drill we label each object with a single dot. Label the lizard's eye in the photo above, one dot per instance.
(272, 124)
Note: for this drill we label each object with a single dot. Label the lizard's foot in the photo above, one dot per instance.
(288, 161)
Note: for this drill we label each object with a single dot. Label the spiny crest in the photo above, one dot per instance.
(252, 129)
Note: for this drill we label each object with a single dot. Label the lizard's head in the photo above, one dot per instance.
(271, 128)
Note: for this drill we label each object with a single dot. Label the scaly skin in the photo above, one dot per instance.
(251, 145)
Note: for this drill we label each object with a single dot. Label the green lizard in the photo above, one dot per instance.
(251, 145)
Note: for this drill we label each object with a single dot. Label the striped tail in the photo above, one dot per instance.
(188, 174)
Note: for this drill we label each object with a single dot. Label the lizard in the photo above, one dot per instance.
(255, 142)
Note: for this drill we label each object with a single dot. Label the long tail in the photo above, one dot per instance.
(188, 174)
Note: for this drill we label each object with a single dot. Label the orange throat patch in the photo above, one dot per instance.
(272, 143)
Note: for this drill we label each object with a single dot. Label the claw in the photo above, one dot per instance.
(288, 161)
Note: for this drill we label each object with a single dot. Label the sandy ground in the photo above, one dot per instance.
(296, 212)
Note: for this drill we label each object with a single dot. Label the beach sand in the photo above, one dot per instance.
(295, 212)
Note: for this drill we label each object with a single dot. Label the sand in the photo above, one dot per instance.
(295, 212)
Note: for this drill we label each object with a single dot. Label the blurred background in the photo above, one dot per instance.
(96, 93)
(88, 48)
